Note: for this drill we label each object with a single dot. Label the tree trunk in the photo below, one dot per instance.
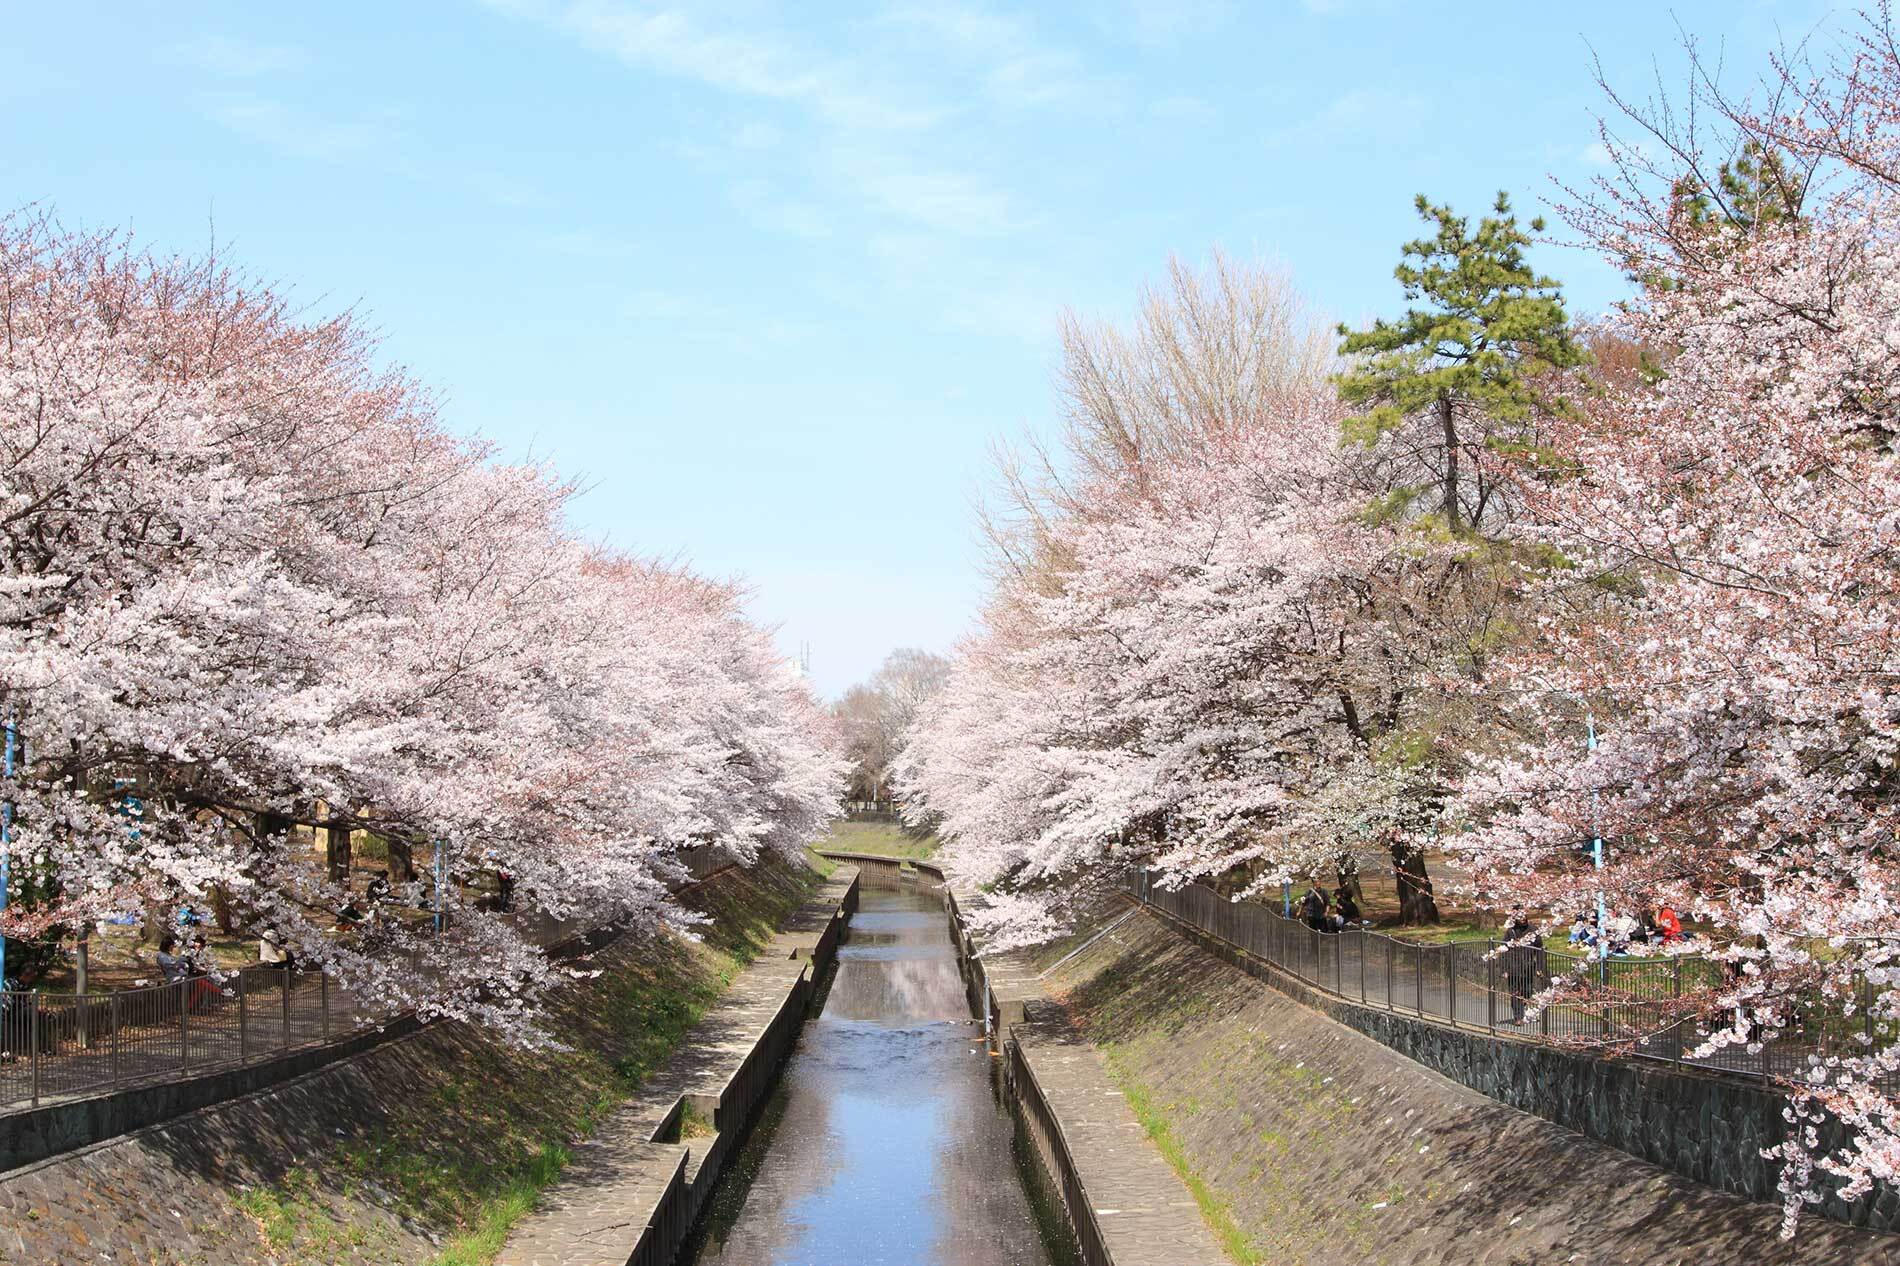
(336, 852)
(222, 909)
(1416, 905)
(402, 862)
(1453, 514)
(1347, 869)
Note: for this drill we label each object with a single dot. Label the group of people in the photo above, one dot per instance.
(1330, 914)
(184, 956)
(186, 961)
(1621, 933)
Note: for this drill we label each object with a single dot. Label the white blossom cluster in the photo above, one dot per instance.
(248, 579)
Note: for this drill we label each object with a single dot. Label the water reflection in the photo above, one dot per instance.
(883, 1144)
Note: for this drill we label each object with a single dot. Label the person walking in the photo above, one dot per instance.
(1522, 957)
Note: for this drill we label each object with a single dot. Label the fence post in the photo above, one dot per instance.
(244, 1026)
(113, 999)
(1866, 1008)
(1339, 986)
(184, 1024)
(1388, 973)
(1418, 978)
(33, 1036)
(1362, 967)
(1491, 986)
(284, 975)
(1451, 984)
(1675, 1028)
(323, 984)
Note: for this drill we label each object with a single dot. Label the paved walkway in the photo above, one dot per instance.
(628, 1195)
(1144, 1213)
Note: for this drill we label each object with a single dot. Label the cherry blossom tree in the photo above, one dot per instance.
(1726, 613)
(249, 580)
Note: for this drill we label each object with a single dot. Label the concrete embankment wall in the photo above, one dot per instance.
(385, 1157)
(1123, 1204)
(1324, 1145)
(1711, 1127)
(635, 1190)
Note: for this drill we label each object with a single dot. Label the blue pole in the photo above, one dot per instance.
(6, 841)
(1596, 855)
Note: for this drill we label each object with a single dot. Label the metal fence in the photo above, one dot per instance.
(1633, 1005)
(55, 1046)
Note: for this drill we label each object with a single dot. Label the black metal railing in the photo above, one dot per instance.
(59, 1045)
(1633, 1005)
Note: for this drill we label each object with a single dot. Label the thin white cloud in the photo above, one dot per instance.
(1161, 23)
(674, 42)
(236, 58)
(1181, 108)
(274, 124)
(942, 200)
(864, 135)
(1014, 66)
(1355, 112)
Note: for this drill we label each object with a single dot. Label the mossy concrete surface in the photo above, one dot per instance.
(1307, 1142)
(421, 1151)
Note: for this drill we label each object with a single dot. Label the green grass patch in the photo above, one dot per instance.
(882, 838)
(1155, 1120)
(695, 1124)
(459, 1132)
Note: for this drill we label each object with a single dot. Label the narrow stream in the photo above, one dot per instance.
(884, 1143)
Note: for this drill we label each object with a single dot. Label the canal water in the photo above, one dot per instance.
(884, 1143)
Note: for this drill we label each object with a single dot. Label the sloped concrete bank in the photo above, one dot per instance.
(634, 1191)
(422, 1143)
(1711, 1126)
(1322, 1145)
(1123, 1204)
(81, 1120)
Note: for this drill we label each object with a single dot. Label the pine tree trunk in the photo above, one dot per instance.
(1416, 905)
(1453, 514)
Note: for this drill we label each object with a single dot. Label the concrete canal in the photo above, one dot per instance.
(885, 1142)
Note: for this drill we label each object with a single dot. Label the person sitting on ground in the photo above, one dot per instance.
(271, 951)
(1669, 925)
(1621, 932)
(1347, 907)
(1584, 931)
(378, 888)
(172, 967)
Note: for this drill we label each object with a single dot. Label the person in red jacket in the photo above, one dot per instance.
(1670, 925)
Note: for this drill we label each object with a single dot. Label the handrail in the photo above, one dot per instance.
(62, 1045)
(1634, 1004)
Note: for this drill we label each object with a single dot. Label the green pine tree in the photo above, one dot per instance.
(1465, 358)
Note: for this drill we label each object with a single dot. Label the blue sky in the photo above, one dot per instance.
(772, 278)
